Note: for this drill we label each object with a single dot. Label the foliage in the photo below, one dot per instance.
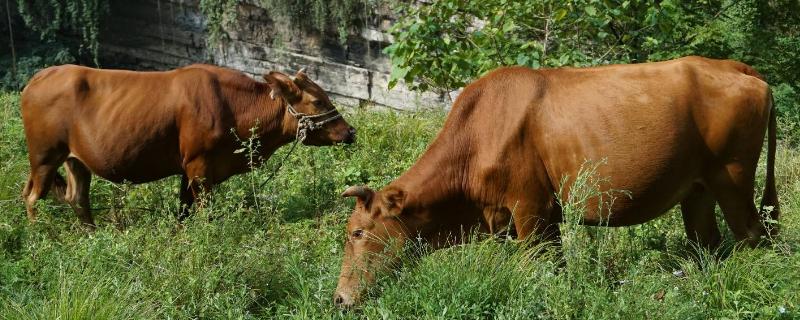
(343, 16)
(451, 42)
(275, 252)
(31, 60)
(218, 13)
(320, 15)
(50, 18)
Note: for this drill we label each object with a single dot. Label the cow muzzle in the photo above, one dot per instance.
(307, 123)
(351, 136)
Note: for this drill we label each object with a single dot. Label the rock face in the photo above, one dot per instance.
(165, 34)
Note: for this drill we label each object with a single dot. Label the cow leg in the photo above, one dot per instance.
(733, 188)
(39, 183)
(198, 181)
(59, 188)
(79, 179)
(699, 222)
(539, 222)
(201, 190)
(187, 198)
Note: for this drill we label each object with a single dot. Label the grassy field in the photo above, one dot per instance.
(274, 252)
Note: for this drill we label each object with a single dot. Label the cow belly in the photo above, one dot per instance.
(140, 172)
(137, 163)
(645, 174)
(632, 209)
(145, 169)
(641, 186)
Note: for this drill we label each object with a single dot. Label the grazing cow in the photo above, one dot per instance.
(144, 126)
(686, 131)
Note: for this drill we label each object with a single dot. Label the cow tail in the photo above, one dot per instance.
(770, 197)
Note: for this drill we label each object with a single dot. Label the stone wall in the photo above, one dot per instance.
(165, 34)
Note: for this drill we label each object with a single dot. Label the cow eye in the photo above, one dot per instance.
(358, 234)
(318, 103)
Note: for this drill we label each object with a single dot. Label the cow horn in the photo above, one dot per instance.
(361, 192)
(300, 77)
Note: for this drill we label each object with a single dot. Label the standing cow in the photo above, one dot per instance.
(144, 126)
(686, 131)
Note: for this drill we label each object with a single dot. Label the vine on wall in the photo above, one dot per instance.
(67, 31)
(219, 14)
(50, 17)
(341, 16)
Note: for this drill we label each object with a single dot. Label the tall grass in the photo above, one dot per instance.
(275, 252)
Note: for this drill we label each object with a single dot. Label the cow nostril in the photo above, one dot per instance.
(351, 136)
(339, 300)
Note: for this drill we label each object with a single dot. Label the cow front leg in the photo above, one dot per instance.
(194, 190)
(196, 186)
(187, 198)
(538, 222)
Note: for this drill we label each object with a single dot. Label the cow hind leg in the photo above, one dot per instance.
(58, 189)
(733, 188)
(699, 221)
(79, 179)
(37, 187)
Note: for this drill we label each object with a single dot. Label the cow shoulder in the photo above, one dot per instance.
(200, 106)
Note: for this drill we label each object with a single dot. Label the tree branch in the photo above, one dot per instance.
(11, 38)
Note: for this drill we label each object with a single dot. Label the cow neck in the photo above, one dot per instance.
(435, 185)
(275, 127)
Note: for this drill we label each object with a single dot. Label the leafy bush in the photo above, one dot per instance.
(451, 42)
(31, 61)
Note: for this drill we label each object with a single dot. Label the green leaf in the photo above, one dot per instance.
(522, 60)
(590, 10)
(508, 26)
(397, 74)
(560, 14)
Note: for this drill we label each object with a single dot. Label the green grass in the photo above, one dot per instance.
(274, 252)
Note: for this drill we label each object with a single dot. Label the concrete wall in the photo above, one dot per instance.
(165, 34)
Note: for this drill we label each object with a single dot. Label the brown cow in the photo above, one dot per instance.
(686, 131)
(144, 126)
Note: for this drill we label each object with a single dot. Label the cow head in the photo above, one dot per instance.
(375, 236)
(310, 109)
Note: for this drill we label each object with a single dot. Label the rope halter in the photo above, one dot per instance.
(307, 123)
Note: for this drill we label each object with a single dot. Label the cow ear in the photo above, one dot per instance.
(363, 194)
(394, 199)
(300, 78)
(282, 86)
